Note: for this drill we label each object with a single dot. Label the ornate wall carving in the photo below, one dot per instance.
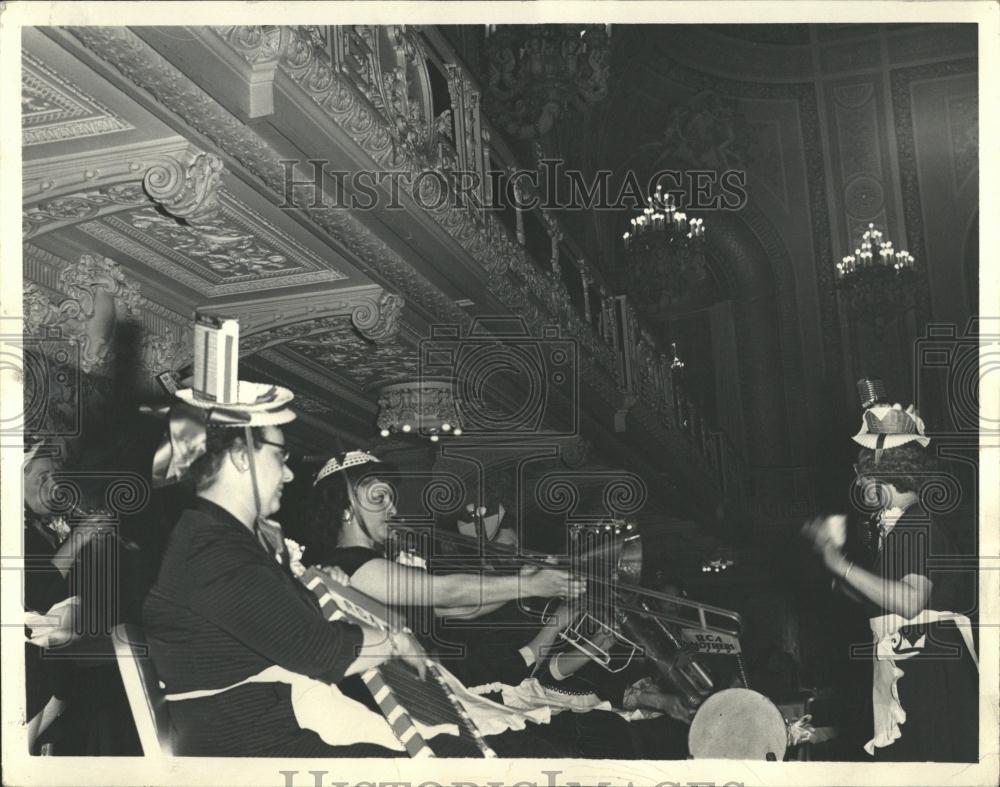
(96, 289)
(87, 300)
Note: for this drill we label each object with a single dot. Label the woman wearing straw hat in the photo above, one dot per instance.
(359, 505)
(924, 693)
(238, 643)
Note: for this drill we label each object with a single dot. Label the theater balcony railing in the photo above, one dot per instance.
(404, 96)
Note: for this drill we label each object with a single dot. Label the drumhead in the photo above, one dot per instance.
(737, 724)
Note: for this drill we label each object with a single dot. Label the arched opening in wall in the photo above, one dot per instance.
(746, 340)
(688, 321)
(440, 96)
(970, 262)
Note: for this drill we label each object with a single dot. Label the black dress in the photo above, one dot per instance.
(222, 610)
(939, 688)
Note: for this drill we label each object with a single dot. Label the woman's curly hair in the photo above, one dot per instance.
(907, 467)
(330, 498)
(219, 441)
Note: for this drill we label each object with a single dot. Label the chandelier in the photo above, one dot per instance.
(537, 73)
(877, 278)
(422, 407)
(664, 251)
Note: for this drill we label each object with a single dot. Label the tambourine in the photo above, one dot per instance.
(738, 724)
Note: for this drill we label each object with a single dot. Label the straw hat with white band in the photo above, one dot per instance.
(256, 405)
(884, 427)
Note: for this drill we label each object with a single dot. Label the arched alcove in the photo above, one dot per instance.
(741, 265)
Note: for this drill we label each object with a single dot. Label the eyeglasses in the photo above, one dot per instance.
(285, 453)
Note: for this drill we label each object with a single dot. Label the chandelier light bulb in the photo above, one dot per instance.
(457, 432)
(407, 427)
(446, 427)
(434, 438)
(384, 433)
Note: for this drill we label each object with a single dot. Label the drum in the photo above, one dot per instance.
(737, 724)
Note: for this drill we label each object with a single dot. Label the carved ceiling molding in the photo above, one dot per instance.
(850, 56)
(73, 208)
(257, 315)
(54, 109)
(186, 187)
(177, 271)
(140, 64)
(379, 321)
(338, 346)
(334, 342)
(488, 242)
(50, 177)
(143, 66)
(306, 371)
(236, 244)
(182, 180)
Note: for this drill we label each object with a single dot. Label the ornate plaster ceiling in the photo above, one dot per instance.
(366, 363)
(53, 108)
(237, 251)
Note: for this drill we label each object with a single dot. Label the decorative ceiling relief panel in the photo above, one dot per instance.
(143, 66)
(54, 109)
(342, 350)
(235, 251)
(53, 213)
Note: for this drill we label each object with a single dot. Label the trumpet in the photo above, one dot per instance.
(619, 620)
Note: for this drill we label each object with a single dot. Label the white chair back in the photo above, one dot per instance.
(142, 687)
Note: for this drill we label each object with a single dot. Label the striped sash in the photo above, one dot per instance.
(400, 695)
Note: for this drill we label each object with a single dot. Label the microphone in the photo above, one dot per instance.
(871, 391)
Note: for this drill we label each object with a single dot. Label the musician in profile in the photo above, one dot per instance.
(355, 503)
(925, 670)
(351, 499)
(236, 640)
